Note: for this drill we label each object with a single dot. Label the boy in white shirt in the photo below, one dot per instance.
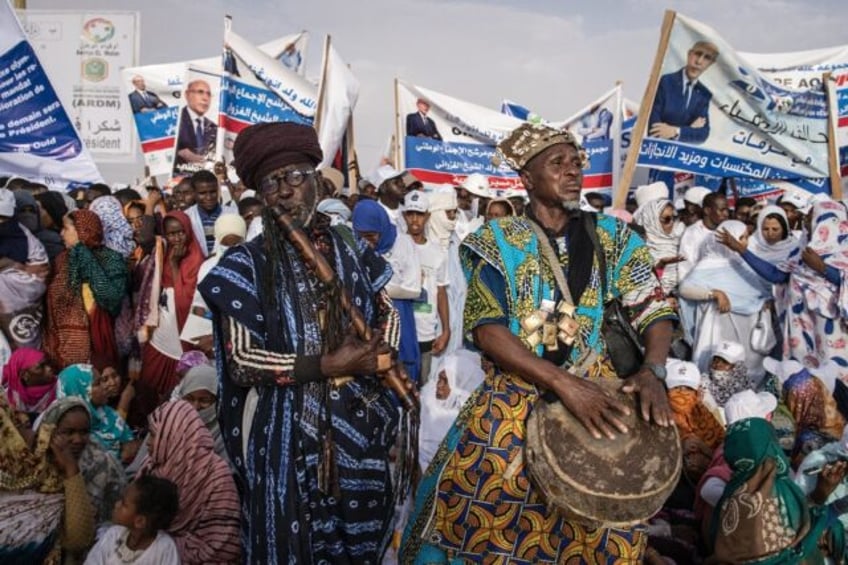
(432, 321)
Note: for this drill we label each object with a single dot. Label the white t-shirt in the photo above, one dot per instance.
(112, 549)
(434, 273)
(406, 278)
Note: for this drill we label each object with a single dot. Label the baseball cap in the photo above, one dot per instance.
(416, 201)
(682, 373)
(796, 198)
(384, 173)
(730, 351)
(478, 185)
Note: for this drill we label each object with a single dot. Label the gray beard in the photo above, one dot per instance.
(571, 205)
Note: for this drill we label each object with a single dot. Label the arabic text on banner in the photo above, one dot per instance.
(716, 114)
(157, 127)
(84, 52)
(37, 138)
(257, 88)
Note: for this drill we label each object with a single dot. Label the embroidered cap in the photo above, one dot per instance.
(528, 140)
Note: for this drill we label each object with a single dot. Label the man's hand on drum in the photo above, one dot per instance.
(653, 398)
(596, 409)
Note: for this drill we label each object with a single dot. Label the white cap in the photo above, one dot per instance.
(7, 203)
(782, 369)
(730, 351)
(333, 206)
(249, 193)
(478, 185)
(682, 373)
(679, 204)
(695, 195)
(800, 200)
(827, 372)
(749, 404)
(416, 201)
(654, 191)
(384, 173)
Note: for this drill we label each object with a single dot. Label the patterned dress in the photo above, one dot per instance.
(476, 501)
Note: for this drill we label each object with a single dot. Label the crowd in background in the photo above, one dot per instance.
(109, 417)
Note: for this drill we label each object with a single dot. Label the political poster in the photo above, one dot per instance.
(197, 124)
(257, 88)
(156, 122)
(84, 52)
(443, 139)
(715, 113)
(38, 140)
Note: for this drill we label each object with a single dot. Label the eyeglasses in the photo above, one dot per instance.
(666, 219)
(294, 178)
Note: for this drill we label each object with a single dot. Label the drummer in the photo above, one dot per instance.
(476, 502)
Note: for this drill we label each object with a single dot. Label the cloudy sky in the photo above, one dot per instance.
(553, 56)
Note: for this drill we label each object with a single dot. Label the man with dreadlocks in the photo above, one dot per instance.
(306, 423)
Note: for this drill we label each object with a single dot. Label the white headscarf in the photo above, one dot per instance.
(464, 375)
(439, 227)
(776, 253)
(660, 244)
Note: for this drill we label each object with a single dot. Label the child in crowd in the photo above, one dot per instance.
(141, 517)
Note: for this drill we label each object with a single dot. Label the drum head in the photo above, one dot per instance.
(615, 483)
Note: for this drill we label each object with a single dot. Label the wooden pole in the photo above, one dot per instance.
(322, 86)
(353, 175)
(620, 197)
(20, 4)
(832, 149)
(399, 161)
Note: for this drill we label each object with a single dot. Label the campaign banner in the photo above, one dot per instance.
(38, 140)
(258, 88)
(444, 139)
(715, 113)
(339, 91)
(197, 123)
(84, 53)
(839, 85)
(163, 89)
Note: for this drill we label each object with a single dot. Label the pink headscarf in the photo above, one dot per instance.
(206, 527)
(22, 397)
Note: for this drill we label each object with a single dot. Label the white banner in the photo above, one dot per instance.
(84, 53)
(156, 122)
(339, 90)
(37, 137)
(715, 114)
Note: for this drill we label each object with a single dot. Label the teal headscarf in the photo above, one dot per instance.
(108, 428)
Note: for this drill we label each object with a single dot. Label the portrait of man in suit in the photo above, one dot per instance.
(197, 132)
(418, 124)
(141, 99)
(681, 105)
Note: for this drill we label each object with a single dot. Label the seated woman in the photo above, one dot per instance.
(206, 527)
(499, 208)
(103, 476)
(813, 408)
(701, 433)
(730, 297)
(108, 427)
(727, 375)
(780, 527)
(44, 507)
(457, 376)
(199, 388)
(29, 382)
(24, 269)
(821, 475)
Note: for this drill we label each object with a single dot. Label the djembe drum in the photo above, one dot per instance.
(614, 483)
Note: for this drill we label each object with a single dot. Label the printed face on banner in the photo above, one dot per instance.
(716, 114)
(197, 129)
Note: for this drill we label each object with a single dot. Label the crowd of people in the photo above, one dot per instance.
(184, 379)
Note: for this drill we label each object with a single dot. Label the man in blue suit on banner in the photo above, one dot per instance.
(681, 106)
(419, 124)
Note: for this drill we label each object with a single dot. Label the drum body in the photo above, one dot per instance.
(602, 482)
